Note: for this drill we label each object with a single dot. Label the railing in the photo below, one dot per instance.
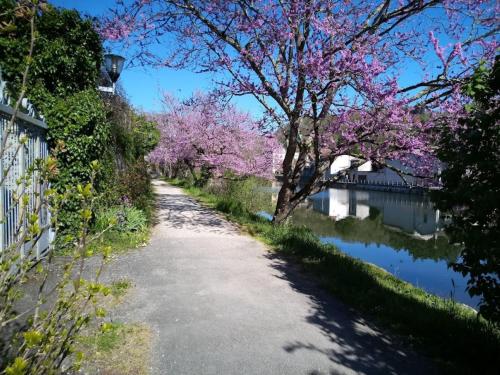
(388, 183)
(23, 142)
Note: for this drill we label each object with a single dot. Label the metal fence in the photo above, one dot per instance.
(17, 157)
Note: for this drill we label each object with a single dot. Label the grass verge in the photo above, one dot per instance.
(450, 333)
(121, 349)
(120, 241)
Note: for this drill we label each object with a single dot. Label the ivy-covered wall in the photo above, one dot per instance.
(83, 124)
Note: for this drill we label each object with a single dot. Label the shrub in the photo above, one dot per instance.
(67, 55)
(471, 189)
(37, 334)
(249, 192)
(78, 130)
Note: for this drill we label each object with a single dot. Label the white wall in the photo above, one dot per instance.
(343, 162)
(384, 175)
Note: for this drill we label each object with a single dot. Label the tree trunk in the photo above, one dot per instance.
(192, 171)
(284, 205)
(289, 198)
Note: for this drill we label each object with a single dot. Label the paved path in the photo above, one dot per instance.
(219, 303)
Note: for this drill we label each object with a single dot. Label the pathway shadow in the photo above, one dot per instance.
(355, 345)
(181, 212)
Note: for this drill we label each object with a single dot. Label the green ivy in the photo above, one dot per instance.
(67, 54)
(79, 131)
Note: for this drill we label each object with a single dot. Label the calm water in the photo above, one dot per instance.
(399, 232)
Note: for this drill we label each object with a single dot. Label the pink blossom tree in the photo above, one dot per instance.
(206, 134)
(338, 77)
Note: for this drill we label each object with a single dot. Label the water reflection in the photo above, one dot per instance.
(411, 213)
(399, 232)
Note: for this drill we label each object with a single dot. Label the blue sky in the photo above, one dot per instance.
(145, 85)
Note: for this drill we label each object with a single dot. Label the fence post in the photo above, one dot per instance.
(27, 143)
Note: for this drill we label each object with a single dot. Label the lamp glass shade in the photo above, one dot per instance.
(114, 66)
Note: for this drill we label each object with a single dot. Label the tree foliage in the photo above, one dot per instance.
(209, 136)
(471, 188)
(134, 135)
(67, 55)
(330, 73)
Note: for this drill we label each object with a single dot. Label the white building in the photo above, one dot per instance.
(364, 173)
(367, 173)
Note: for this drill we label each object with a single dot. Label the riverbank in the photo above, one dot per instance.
(448, 332)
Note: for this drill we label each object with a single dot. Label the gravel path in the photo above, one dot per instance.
(219, 303)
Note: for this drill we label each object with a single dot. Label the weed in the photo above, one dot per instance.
(120, 287)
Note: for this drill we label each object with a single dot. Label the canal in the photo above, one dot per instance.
(399, 232)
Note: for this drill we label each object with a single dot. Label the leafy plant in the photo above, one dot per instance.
(78, 130)
(121, 218)
(38, 337)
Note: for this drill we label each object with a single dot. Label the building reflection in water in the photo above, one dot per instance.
(413, 214)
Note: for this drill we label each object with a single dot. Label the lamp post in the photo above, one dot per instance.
(114, 66)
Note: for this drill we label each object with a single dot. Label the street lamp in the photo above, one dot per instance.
(114, 66)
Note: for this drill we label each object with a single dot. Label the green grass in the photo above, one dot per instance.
(104, 341)
(450, 333)
(120, 241)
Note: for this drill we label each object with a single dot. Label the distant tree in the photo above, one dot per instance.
(134, 135)
(471, 188)
(207, 136)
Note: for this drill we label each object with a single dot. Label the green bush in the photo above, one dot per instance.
(67, 54)
(248, 192)
(78, 134)
(133, 186)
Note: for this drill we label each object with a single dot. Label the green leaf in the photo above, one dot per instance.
(18, 367)
(32, 338)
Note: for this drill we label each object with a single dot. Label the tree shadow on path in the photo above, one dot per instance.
(354, 344)
(178, 211)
